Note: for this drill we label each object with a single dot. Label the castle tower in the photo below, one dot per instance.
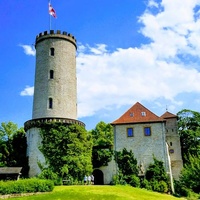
(55, 89)
(55, 76)
(173, 141)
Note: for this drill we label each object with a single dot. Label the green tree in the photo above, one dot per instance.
(157, 176)
(190, 175)
(127, 164)
(67, 149)
(189, 130)
(156, 171)
(102, 144)
(13, 147)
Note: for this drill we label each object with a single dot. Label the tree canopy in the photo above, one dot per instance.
(102, 144)
(189, 130)
(127, 163)
(13, 147)
(191, 173)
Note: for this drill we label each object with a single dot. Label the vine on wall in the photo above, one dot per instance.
(67, 149)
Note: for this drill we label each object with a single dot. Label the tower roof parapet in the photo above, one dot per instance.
(41, 121)
(55, 34)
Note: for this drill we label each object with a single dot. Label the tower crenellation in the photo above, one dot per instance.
(56, 34)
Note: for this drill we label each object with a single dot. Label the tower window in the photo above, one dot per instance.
(50, 103)
(51, 74)
(147, 131)
(52, 51)
(129, 132)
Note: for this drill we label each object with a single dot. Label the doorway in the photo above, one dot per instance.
(98, 177)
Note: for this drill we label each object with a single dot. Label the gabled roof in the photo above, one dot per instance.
(138, 114)
(10, 170)
(168, 115)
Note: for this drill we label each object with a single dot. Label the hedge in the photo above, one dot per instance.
(26, 186)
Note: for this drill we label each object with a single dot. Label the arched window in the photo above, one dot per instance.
(51, 74)
(50, 103)
(52, 51)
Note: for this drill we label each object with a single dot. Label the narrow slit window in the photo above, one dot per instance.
(51, 74)
(50, 103)
(52, 51)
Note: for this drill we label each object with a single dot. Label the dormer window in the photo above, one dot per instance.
(143, 114)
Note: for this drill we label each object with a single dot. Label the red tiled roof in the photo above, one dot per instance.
(168, 115)
(138, 114)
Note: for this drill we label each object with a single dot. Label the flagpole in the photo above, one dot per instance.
(49, 17)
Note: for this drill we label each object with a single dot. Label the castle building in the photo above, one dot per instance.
(55, 100)
(148, 136)
(55, 90)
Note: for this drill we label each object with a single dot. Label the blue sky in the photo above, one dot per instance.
(128, 51)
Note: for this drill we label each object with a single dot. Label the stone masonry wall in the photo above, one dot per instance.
(143, 147)
(33, 153)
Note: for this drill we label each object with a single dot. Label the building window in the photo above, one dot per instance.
(147, 131)
(131, 114)
(143, 114)
(171, 151)
(50, 103)
(170, 143)
(52, 51)
(51, 74)
(129, 132)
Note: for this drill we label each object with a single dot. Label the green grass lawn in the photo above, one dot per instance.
(98, 193)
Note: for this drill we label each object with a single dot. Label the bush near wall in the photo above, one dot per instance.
(26, 186)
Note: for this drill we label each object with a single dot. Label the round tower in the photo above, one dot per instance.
(55, 90)
(55, 76)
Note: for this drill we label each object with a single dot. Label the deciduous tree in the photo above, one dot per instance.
(189, 130)
(102, 144)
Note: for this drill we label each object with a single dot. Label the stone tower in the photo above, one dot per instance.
(55, 89)
(173, 141)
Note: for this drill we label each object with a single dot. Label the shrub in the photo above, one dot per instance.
(115, 180)
(163, 187)
(146, 184)
(50, 175)
(118, 179)
(134, 181)
(26, 186)
(159, 186)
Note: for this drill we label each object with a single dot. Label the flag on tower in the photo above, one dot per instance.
(52, 12)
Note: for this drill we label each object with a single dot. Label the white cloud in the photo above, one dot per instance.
(28, 91)
(152, 3)
(150, 72)
(28, 49)
(153, 71)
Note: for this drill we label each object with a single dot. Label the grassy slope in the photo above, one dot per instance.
(99, 193)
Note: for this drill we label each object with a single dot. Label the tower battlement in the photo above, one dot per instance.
(55, 34)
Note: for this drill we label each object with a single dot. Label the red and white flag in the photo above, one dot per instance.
(52, 12)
